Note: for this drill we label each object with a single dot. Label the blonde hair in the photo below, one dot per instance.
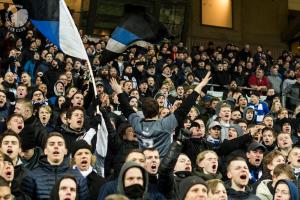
(213, 184)
(202, 154)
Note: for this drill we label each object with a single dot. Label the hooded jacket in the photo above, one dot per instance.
(124, 169)
(292, 187)
(70, 135)
(206, 177)
(239, 195)
(244, 115)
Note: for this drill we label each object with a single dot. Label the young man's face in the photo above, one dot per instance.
(55, 150)
(37, 96)
(243, 102)
(268, 121)
(276, 161)
(77, 100)
(67, 189)
(232, 133)
(133, 176)
(238, 172)
(268, 138)
(83, 159)
(5, 193)
(284, 141)
(44, 115)
(215, 132)
(8, 171)
(198, 131)
(137, 158)
(225, 113)
(255, 157)
(236, 115)
(16, 124)
(21, 92)
(209, 164)
(183, 164)
(77, 119)
(10, 146)
(152, 161)
(294, 157)
(197, 191)
(2, 99)
(249, 115)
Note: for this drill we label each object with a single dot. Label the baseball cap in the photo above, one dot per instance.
(255, 145)
(214, 124)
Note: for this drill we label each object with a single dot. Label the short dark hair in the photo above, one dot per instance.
(73, 109)
(52, 134)
(9, 133)
(238, 158)
(150, 107)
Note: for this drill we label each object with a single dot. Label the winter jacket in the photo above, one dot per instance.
(70, 135)
(293, 91)
(206, 177)
(33, 161)
(263, 191)
(39, 181)
(94, 182)
(33, 125)
(156, 133)
(238, 195)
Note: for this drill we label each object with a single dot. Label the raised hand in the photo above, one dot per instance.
(115, 86)
(203, 83)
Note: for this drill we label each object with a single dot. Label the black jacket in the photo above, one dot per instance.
(39, 181)
(33, 125)
(94, 182)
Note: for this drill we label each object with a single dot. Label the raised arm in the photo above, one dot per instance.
(124, 105)
(189, 102)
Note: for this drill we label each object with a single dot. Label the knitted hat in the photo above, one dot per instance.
(8, 159)
(187, 183)
(80, 144)
(27, 140)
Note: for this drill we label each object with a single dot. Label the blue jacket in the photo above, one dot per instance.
(39, 182)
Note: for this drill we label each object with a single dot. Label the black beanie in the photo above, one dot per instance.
(8, 159)
(27, 140)
(187, 183)
(80, 144)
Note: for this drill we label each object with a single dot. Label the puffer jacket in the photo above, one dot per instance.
(39, 181)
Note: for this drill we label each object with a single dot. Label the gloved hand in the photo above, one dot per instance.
(95, 121)
(184, 135)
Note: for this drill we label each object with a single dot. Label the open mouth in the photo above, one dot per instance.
(8, 173)
(153, 167)
(20, 127)
(43, 118)
(9, 151)
(79, 121)
(243, 177)
(56, 153)
(67, 198)
(214, 167)
(84, 162)
(257, 160)
(188, 169)
(298, 160)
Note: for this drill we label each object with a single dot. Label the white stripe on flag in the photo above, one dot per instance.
(115, 46)
(69, 38)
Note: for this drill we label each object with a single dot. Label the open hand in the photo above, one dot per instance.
(203, 83)
(115, 86)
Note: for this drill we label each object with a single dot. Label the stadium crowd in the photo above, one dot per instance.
(155, 130)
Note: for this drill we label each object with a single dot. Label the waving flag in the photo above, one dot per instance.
(136, 28)
(53, 19)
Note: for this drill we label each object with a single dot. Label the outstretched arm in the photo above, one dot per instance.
(124, 105)
(189, 102)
